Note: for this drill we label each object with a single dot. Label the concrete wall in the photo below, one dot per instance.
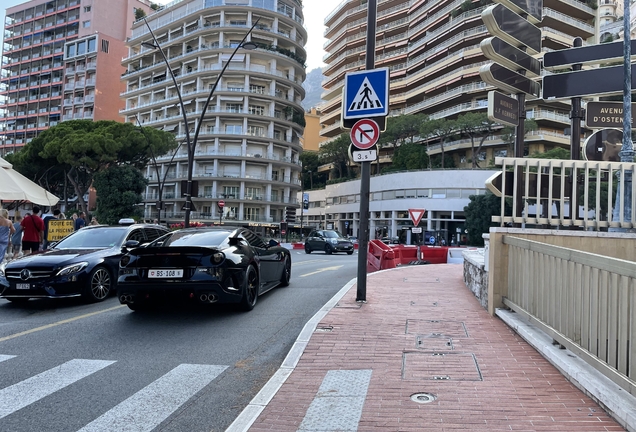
(476, 275)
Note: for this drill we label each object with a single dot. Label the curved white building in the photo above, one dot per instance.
(248, 148)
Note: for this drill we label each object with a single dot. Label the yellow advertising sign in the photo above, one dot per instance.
(58, 229)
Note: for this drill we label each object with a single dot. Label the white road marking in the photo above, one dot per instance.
(26, 392)
(321, 270)
(146, 409)
(5, 357)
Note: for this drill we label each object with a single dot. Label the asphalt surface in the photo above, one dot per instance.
(177, 368)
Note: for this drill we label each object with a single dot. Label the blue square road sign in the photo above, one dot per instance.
(366, 94)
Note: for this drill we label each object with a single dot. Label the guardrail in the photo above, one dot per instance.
(566, 284)
(588, 187)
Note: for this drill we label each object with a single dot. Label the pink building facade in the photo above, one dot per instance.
(61, 60)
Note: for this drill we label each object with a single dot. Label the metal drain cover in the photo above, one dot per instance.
(423, 397)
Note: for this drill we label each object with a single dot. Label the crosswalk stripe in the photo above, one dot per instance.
(5, 357)
(26, 392)
(338, 404)
(147, 408)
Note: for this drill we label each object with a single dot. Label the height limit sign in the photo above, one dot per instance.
(364, 136)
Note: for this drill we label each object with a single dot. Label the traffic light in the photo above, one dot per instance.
(290, 214)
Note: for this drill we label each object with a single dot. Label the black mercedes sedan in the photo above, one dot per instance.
(203, 265)
(84, 263)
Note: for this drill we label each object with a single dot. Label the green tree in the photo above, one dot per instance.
(479, 213)
(139, 13)
(443, 130)
(409, 156)
(475, 125)
(311, 178)
(336, 152)
(119, 191)
(74, 151)
(402, 129)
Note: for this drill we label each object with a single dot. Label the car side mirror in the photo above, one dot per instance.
(131, 244)
(272, 243)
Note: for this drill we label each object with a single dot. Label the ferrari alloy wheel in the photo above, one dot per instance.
(99, 285)
(250, 293)
(307, 249)
(286, 276)
(328, 249)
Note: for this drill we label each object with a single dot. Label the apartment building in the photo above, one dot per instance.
(247, 152)
(433, 53)
(61, 60)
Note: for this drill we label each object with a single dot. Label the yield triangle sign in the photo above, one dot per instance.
(366, 98)
(416, 215)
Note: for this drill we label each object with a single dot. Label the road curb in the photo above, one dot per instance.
(251, 412)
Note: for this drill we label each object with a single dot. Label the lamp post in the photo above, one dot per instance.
(192, 141)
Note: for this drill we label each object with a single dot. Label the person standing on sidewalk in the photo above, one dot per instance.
(80, 222)
(6, 231)
(33, 229)
(16, 239)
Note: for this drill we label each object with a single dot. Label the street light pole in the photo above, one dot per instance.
(191, 143)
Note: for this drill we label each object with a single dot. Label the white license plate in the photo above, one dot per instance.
(155, 273)
(23, 286)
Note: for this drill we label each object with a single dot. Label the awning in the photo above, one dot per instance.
(16, 187)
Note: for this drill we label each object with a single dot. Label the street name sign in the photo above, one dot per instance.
(503, 109)
(509, 56)
(533, 8)
(366, 94)
(508, 81)
(601, 115)
(601, 81)
(365, 134)
(592, 54)
(512, 28)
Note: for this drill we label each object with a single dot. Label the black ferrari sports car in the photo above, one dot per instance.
(84, 263)
(205, 265)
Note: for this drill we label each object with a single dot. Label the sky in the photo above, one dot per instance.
(315, 12)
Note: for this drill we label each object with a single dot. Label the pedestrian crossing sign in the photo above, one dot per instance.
(366, 94)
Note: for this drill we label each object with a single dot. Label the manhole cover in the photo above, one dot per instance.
(423, 397)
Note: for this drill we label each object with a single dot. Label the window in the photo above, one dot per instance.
(231, 191)
(257, 89)
(258, 131)
(234, 129)
(253, 193)
(86, 23)
(87, 9)
(257, 110)
(92, 45)
(70, 50)
(234, 107)
(252, 213)
(81, 48)
(105, 45)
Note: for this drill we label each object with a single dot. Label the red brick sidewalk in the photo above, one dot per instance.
(422, 331)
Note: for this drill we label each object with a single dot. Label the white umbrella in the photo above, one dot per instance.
(16, 187)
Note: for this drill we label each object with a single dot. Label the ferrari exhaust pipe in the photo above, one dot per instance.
(203, 297)
(212, 298)
(125, 298)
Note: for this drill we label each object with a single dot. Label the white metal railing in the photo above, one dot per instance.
(585, 301)
(587, 187)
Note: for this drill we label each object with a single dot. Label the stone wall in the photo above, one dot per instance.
(476, 275)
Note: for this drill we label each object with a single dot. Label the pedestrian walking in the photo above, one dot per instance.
(16, 239)
(33, 231)
(94, 221)
(6, 231)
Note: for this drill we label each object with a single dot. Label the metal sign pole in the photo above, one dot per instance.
(365, 168)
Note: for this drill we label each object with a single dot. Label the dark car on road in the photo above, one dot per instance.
(329, 241)
(84, 263)
(203, 265)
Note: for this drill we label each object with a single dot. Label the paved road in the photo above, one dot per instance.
(69, 366)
